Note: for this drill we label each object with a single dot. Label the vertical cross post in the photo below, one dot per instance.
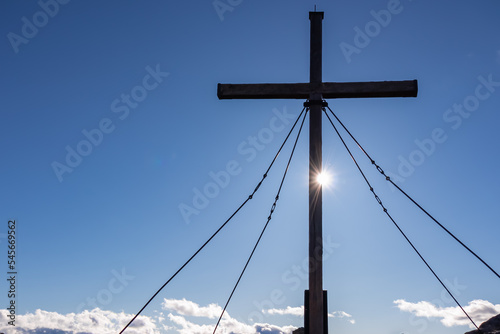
(316, 307)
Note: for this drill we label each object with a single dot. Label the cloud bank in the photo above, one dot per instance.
(95, 321)
(179, 310)
(177, 316)
(177, 320)
(479, 310)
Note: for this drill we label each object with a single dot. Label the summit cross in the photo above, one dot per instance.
(316, 314)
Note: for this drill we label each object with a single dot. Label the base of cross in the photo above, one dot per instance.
(306, 312)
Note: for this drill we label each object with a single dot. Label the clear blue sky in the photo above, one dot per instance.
(99, 212)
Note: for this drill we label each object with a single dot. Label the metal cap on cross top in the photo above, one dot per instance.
(315, 91)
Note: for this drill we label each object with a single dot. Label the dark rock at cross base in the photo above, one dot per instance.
(491, 326)
(299, 331)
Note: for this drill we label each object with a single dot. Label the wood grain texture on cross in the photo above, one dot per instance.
(329, 90)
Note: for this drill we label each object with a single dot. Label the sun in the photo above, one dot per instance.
(324, 178)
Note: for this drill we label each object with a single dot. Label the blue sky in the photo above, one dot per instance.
(132, 87)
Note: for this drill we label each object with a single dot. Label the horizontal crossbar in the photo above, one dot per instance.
(329, 90)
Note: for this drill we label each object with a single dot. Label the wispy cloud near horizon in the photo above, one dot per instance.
(299, 311)
(479, 310)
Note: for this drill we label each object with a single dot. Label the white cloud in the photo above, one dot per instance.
(226, 326)
(299, 311)
(342, 314)
(185, 308)
(95, 321)
(189, 327)
(189, 308)
(479, 310)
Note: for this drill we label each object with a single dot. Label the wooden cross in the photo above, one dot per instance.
(315, 91)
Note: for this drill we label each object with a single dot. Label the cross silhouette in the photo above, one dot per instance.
(315, 92)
